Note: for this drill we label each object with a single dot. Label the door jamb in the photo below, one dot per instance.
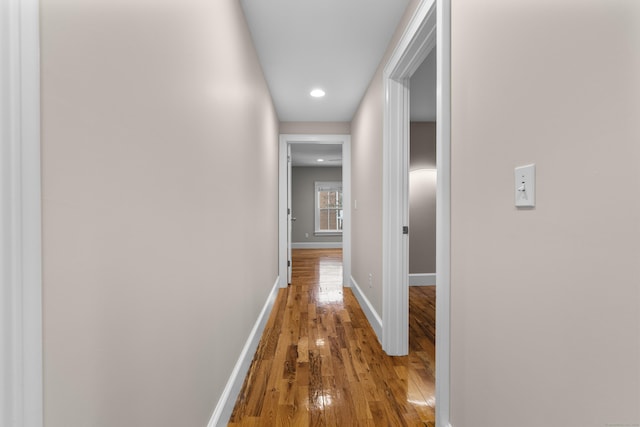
(429, 27)
(286, 139)
(21, 388)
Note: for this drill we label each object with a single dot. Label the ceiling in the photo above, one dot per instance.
(335, 45)
(308, 155)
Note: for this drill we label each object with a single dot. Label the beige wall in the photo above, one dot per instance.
(303, 201)
(545, 302)
(366, 180)
(545, 311)
(320, 128)
(422, 198)
(156, 260)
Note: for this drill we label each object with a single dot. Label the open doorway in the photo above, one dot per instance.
(317, 212)
(314, 200)
(422, 209)
(428, 30)
(423, 175)
(422, 222)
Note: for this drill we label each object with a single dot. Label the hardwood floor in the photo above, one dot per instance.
(319, 362)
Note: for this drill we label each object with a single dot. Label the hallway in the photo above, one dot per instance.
(319, 362)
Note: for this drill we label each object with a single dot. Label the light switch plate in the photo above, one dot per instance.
(525, 186)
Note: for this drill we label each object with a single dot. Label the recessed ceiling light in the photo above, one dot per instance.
(317, 93)
(320, 160)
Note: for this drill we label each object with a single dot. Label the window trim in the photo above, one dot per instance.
(317, 186)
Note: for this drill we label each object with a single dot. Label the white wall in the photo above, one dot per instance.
(545, 323)
(156, 260)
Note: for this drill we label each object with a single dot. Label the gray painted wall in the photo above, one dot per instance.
(422, 198)
(302, 201)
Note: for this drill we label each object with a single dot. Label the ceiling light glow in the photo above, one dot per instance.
(320, 160)
(317, 93)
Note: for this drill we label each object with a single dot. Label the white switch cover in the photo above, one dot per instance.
(525, 186)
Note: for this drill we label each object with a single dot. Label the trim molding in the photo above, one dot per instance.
(420, 279)
(443, 215)
(418, 40)
(21, 388)
(372, 316)
(429, 27)
(224, 408)
(316, 245)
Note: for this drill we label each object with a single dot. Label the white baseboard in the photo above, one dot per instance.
(224, 408)
(372, 316)
(426, 279)
(316, 245)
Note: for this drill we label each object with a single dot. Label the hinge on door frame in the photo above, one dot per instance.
(405, 229)
(288, 211)
(289, 263)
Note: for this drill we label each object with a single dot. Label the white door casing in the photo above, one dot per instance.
(21, 403)
(289, 215)
(429, 27)
(283, 243)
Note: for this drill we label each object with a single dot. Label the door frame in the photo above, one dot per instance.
(285, 141)
(429, 27)
(21, 387)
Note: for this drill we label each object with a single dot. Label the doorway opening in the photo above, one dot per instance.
(423, 178)
(326, 223)
(428, 29)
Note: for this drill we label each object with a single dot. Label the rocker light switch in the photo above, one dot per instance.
(525, 186)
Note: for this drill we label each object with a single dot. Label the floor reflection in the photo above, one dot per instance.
(319, 361)
(330, 280)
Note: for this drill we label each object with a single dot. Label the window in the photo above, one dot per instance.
(328, 196)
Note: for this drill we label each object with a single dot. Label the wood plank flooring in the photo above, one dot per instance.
(319, 362)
